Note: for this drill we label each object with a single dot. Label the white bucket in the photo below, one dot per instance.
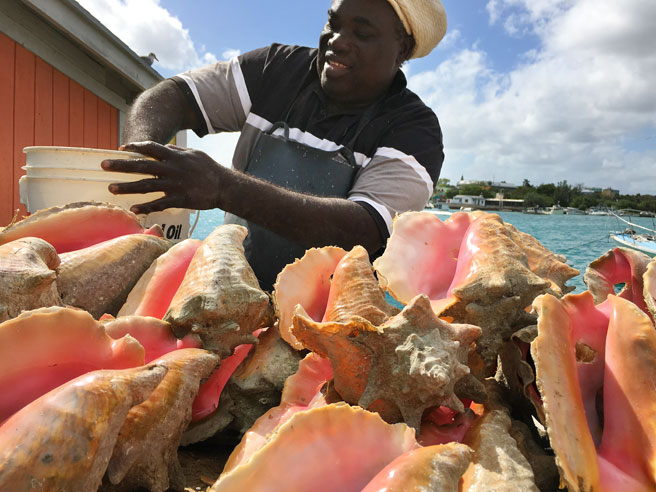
(59, 175)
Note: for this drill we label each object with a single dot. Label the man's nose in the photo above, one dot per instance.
(338, 42)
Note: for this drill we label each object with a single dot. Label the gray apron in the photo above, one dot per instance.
(300, 168)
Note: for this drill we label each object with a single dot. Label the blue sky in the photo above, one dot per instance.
(546, 90)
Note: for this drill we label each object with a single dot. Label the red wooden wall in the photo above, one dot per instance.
(41, 106)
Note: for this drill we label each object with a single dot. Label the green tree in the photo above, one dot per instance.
(450, 193)
(546, 189)
(562, 193)
(535, 199)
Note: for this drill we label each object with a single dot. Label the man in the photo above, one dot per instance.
(332, 143)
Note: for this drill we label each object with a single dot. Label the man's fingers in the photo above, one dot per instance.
(135, 166)
(155, 206)
(151, 149)
(141, 186)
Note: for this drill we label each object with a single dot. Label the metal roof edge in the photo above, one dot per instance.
(76, 22)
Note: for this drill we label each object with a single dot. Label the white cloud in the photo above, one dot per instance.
(573, 109)
(230, 53)
(145, 26)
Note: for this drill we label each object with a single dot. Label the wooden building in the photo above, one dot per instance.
(65, 80)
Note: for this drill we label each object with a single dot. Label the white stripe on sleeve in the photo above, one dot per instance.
(194, 90)
(410, 161)
(381, 209)
(240, 83)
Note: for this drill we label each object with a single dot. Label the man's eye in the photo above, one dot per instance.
(363, 35)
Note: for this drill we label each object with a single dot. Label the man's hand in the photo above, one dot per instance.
(189, 178)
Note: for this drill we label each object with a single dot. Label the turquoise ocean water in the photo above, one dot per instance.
(581, 238)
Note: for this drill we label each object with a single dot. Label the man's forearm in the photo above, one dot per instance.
(157, 114)
(311, 221)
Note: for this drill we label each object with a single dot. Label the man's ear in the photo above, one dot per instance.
(407, 45)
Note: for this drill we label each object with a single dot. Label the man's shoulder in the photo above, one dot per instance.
(277, 54)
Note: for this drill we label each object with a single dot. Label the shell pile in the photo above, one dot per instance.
(456, 362)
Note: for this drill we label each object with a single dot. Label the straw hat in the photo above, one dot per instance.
(424, 20)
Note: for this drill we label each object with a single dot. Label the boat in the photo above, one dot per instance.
(574, 211)
(556, 210)
(439, 208)
(640, 241)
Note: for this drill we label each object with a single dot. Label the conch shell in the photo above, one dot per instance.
(219, 298)
(618, 266)
(153, 334)
(44, 348)
(350, 444)
(64, 440)
(399, 369)
(27, 276)
(577, 357)
(99, 278)
(497, 463)
(435, 468)
(152, 294)
(145, 454)
(305, 282)
(650, 288)
(302, 391)
(473, 271)
(77, 225)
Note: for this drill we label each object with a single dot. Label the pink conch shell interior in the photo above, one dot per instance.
(582, 352)
(301, 391)
(153, 334)
(44, 348)
(305, 282)
(351, 444)
(92, 222)
(152, 294)
(424, 257)
(618, 266)
(210, 391)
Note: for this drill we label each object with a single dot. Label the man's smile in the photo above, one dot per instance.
(333, 67)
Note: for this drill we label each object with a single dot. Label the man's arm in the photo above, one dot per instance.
(158, 114)
(192, 179)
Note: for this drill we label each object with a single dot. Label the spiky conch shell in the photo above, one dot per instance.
(473, 271)
(399, 369)
(219, 298)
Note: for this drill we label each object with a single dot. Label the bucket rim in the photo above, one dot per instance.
(57, 148)
(98, 180)
(109, 173)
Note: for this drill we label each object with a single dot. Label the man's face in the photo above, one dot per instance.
(359, 51)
